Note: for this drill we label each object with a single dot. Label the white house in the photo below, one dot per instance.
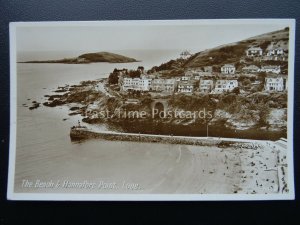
(275, 51)
(276, 54)
(185, 78)
(136, 84)
(224, 85)
(270, 69)
(157, 84)
(145, 84)
(250, 69)
(206, 86)
(274, 84)
(185, 87)
(170, 85)
(228, 69)
(254, 52)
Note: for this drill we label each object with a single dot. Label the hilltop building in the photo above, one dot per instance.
(277, 54)
(254, 52)
(185, 54)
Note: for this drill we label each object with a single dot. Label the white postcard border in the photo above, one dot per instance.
(11, 195)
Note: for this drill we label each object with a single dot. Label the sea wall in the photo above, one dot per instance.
(83, 134)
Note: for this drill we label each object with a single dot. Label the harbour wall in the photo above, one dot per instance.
(84, 134)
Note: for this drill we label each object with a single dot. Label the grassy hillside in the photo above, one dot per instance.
(106, 57)
(232, 53)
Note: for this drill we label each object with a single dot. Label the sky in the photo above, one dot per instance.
(105, 37)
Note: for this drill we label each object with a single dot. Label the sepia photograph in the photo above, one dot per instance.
(152, 110)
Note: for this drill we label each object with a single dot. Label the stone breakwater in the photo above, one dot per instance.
(84, 134)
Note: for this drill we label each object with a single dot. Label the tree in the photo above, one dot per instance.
(134, 73)
(113, 78)
(261, 76)
(246, 82)
(236, 90)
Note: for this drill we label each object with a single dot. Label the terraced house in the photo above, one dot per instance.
(167, 85)
(185, 87)
(206, 86)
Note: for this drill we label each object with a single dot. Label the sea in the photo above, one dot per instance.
(46, 155)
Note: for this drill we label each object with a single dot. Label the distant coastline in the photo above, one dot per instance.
(89, 58)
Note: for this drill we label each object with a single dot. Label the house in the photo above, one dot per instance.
(206, 86)
(197, 77)
(254, 52)
(189, 73)
(276, 54)
(135, 84)
(168, 85)
(185, 78)
(275, 51)
(250, 69)
(185, 87)
(270, 69)
(125, 83)
(274, 84)
(199, 71)
(207, 69)
(228, 69)
(145, 84)
(224, 85)
(158, 84)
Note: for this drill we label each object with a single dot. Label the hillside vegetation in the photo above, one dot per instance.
(232, 53)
